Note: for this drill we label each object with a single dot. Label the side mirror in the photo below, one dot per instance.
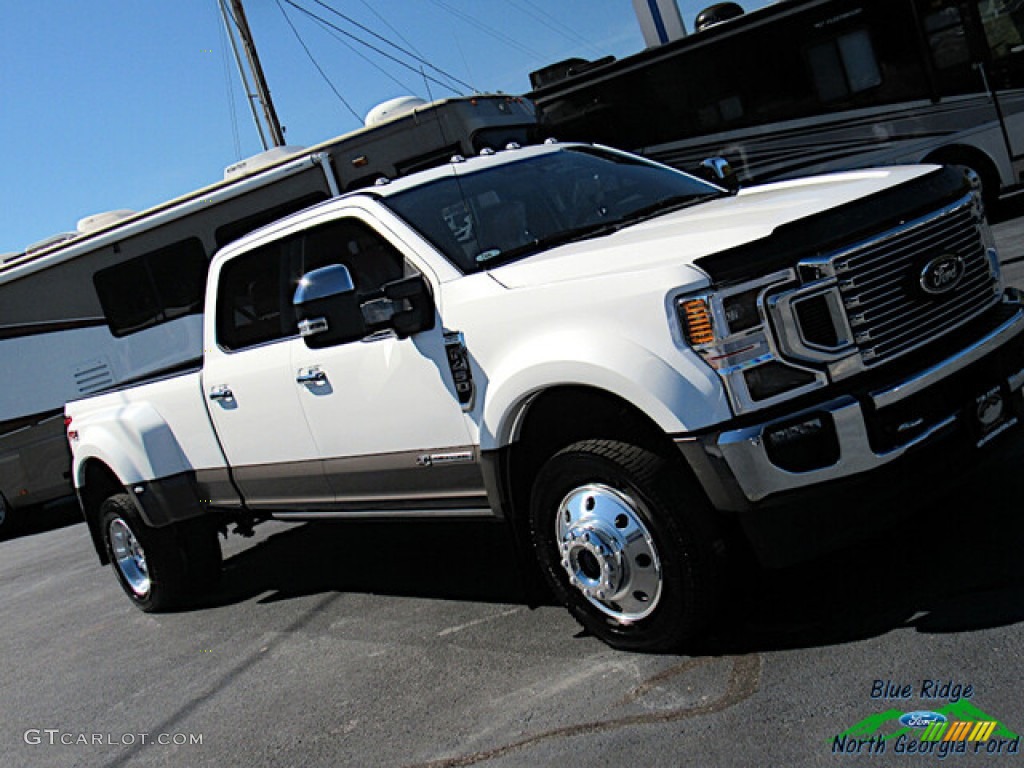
(327, 308)
(330, 312)
(718, 171)
(414, 306)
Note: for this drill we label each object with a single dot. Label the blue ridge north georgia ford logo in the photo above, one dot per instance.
(942, 274)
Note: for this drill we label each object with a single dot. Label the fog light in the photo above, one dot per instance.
(773, 379)
(805, 445)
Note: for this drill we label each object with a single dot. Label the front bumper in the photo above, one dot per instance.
(975, 391)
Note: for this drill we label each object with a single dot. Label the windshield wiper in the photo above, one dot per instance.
(668, 205)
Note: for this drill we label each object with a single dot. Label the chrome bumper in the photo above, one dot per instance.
(757, 476)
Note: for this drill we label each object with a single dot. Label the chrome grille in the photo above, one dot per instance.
(888, 312)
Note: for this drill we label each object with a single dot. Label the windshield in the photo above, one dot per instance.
(506, 212)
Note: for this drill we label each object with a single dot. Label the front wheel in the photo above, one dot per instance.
(626, 544)
(158, 568)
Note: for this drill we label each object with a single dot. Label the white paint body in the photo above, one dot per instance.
(597, 313)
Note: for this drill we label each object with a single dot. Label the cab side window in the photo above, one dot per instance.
(253, 298)
(371, 259)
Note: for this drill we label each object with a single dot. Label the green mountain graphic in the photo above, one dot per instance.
(887, 724)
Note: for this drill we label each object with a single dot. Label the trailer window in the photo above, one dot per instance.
(844, 66)
(231, 231)
(1004, 27)
(947, 38)
(154, 288)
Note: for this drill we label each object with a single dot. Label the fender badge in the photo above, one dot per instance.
(433, 459)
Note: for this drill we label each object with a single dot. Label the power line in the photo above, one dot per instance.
(384, 21)
(496, 34)
(315, 64)
(538, 13)
(399, 48)
(362, 55)
(228, 82)
(250, 97)
(377, 50)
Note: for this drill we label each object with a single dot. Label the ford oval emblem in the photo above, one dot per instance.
(921, 719)
(943, 274)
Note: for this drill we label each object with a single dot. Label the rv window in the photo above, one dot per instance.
(947, 38)
(1004, 27)
(232, 231)
(431, 159)
(844, 66)
(153, 288)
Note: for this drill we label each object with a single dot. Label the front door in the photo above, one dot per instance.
(384, 411)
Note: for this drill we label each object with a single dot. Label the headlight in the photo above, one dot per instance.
(730, 331)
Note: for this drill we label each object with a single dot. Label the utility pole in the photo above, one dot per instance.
(262, 94)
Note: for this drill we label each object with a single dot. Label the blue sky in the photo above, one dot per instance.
(110, 104)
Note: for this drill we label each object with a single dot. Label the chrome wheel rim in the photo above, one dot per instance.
(608, 553)
(129, 557)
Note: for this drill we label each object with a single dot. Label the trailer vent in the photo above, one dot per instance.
(93, 376)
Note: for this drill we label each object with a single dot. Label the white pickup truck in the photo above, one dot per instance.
(626, 364)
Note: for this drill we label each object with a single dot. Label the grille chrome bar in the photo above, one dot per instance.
(881, 295)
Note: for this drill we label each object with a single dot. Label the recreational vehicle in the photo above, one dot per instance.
(808, 86)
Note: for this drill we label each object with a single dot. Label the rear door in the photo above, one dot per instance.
(249, 382)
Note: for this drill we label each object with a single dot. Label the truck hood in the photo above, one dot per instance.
(682, 237)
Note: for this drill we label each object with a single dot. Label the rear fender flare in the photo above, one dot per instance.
(132, 440)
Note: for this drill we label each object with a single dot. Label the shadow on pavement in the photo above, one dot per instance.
(464, 560)
(36, 520)
(953, 565)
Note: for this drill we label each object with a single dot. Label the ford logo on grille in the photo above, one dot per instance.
(943, 274)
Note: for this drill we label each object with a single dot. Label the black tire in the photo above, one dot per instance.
(627, 544)
(160, 569)
(10, 519)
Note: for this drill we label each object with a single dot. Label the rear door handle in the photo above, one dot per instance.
(221, 392)
(311, 376)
